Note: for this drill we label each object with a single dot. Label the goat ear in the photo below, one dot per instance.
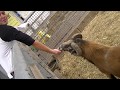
(77, 38)
(77, 35)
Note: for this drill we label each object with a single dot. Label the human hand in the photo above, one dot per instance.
(56, 51)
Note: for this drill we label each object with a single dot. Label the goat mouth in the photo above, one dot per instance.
(72, 51)
(71, 47)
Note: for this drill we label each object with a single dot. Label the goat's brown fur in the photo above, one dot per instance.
(106, 58)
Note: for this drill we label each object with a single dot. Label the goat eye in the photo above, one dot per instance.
(66, 46)
(69, 48)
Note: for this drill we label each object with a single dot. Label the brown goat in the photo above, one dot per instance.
(106, 58)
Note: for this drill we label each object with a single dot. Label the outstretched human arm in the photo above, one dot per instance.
(43, 47)
(38, 44)
(9, 33)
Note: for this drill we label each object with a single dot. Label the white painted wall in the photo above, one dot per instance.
(24, 14)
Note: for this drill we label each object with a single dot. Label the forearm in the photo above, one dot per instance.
(42, 47)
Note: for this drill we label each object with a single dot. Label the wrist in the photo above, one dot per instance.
(52, 51)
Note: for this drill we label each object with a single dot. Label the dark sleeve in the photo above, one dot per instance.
(24, 38)
(10, 33)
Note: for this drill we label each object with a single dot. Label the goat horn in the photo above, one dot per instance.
(76, 48)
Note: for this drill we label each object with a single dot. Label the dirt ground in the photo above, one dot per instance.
(105, 29)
